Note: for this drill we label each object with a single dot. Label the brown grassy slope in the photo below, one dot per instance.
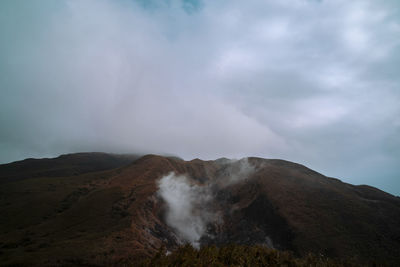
(106, 217)
(324, 215)
(93, 217)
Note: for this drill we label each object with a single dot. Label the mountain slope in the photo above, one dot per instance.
(116, 213)
(64, 165)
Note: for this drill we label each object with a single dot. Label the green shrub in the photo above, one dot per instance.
(239, 255)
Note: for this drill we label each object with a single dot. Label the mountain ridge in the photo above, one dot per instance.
(120, 213)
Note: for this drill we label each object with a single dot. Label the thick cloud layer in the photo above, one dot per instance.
(309, 81)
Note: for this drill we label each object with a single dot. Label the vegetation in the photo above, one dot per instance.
(239, 255)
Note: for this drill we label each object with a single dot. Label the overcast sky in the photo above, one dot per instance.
(315, 82)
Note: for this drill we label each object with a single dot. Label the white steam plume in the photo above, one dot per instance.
(188, 211)
(238, 170)
(190, 207)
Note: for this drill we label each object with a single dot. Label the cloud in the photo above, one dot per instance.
(309, 81)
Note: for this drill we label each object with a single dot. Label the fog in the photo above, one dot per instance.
(315, 82)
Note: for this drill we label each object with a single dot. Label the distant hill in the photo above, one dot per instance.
(102, 209)
(64, 165)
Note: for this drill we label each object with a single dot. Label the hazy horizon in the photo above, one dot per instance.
(310, 81)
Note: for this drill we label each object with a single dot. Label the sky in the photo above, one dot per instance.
(314, 82)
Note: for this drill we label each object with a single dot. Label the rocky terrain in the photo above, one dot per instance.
(103, 209)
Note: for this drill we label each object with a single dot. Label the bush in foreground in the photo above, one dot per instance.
(239, 255)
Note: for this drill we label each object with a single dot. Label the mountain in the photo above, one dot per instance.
(64, 165)
(102, 209)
